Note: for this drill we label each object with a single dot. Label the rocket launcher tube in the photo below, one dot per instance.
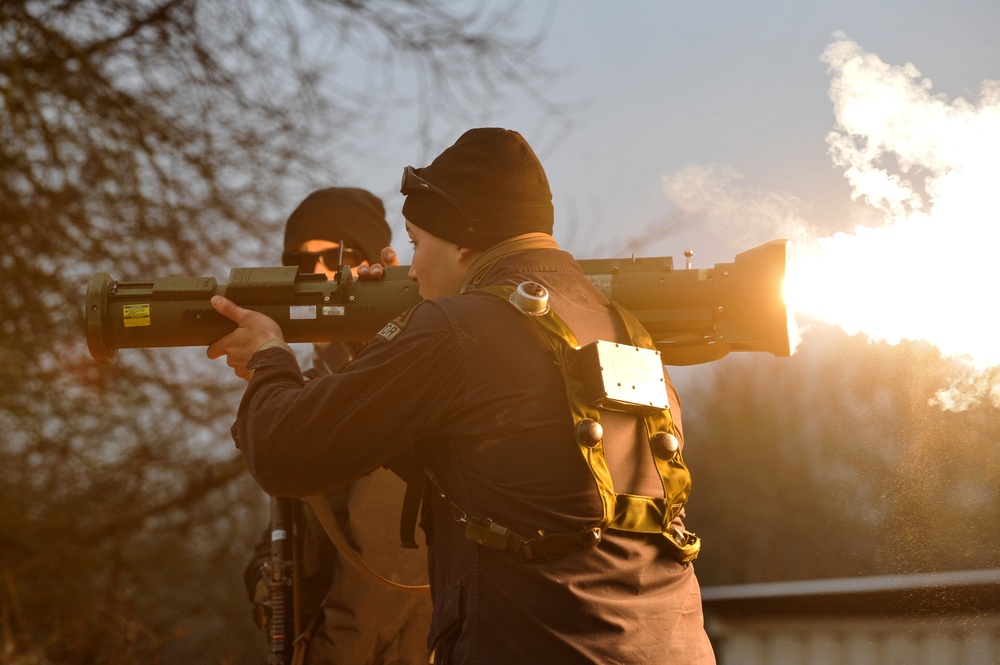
(693, 315)
(175, 311)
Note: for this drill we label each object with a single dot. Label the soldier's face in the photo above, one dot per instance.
(317, 246)
(438, 266)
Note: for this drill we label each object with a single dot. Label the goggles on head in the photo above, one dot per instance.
(414, 183)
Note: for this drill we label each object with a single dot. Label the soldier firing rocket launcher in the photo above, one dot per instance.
(693, 315)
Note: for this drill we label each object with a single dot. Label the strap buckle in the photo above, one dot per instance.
(685, 544)
(487, 532)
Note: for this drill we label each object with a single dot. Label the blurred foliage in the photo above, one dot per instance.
(834, 463)
(172, 137)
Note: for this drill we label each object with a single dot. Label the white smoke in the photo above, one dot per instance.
(923, 270)
(745, 215)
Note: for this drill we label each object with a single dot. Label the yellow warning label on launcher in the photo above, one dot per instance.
(134, 316)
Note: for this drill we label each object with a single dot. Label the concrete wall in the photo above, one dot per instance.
(927, 640)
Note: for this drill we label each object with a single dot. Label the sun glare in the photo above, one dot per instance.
(929, 167)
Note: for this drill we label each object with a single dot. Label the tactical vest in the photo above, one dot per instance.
(586, 397)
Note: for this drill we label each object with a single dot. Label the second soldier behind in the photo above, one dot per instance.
(346, 618)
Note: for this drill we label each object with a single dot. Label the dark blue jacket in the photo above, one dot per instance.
(470, 384)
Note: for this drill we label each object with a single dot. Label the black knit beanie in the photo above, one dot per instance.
(496, 176)
(340, 213)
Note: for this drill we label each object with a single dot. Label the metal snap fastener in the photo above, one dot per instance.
(664, 445)
(589, 432)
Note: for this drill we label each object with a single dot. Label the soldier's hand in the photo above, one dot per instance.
(377, 270)
(253, 329)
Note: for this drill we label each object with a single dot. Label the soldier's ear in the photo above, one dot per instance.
(467, 255)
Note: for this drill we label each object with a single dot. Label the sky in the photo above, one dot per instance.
(650, 88)
(865, 132)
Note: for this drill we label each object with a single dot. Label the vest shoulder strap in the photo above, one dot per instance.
(626, 512)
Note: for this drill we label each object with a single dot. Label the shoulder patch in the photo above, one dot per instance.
(395, 326)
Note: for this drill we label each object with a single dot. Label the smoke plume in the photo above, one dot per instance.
(922, 267)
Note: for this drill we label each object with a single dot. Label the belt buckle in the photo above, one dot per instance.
(680, 538)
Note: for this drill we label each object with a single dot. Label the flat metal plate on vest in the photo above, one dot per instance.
(622, 377)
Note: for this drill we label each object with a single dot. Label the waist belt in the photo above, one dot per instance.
(485, 531)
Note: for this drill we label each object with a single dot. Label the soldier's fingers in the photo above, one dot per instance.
(229, 309)
(389, 257)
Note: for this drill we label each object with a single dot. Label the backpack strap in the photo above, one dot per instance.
(411, 510)
(326, 518)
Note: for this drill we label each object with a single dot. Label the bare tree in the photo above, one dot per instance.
(833, 463)
(166, 137)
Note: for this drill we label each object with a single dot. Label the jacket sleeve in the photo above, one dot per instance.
(300, 438)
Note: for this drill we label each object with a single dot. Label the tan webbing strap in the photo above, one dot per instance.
(325, 516)
(673, 472)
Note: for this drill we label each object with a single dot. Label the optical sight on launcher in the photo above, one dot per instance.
(694, 315)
